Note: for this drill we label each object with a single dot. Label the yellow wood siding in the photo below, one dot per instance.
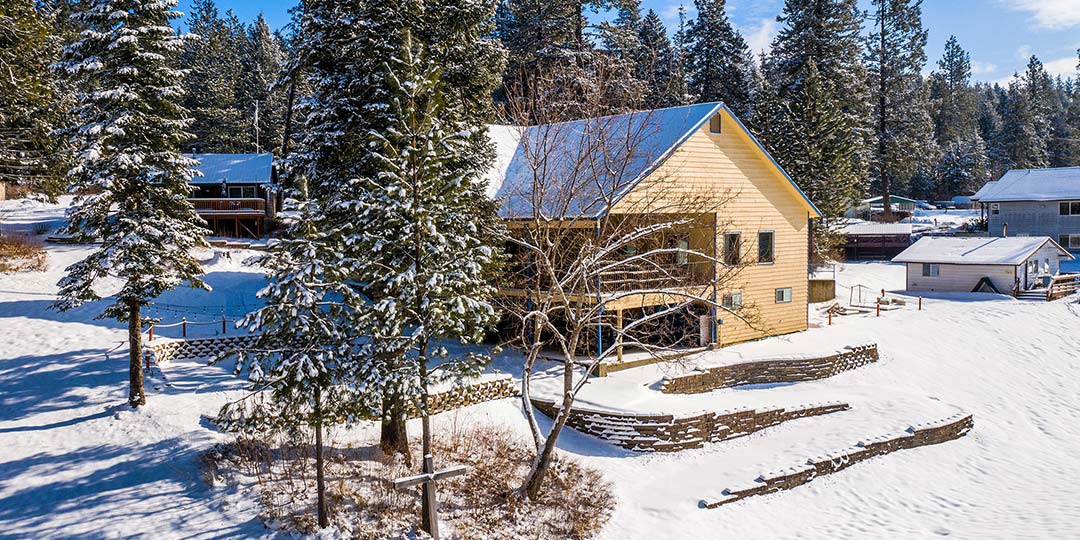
(728, 166)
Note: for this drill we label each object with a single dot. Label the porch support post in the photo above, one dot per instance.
(618, 334)
(715, 277)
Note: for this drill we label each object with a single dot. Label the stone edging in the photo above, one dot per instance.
(771, 371)
(646, 432)
(182, 349)
(936, 432)
(463, 396)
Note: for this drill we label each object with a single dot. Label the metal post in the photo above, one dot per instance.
(223, 324)
(183, 326)
(920, 303)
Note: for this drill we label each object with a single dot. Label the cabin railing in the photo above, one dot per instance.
(1062, 285)
(237, 205)
(626, 278)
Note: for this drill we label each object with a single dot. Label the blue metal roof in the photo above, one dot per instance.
(589, 165)
(233, 168)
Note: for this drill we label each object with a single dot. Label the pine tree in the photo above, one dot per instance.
(425, 230)
(302, 364)
(214, 68)
(903, 128)
(1027, 118)
(719, 64)
(659, 67)
(954, 107)
(1072, 122)
(264, 62)
(34, 99)
(627, 55)
(128, 135)
(823, 34)
(992, 101)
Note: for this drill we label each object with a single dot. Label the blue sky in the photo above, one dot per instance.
(999, 34)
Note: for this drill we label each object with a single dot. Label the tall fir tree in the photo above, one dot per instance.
(1072, 121)
(128, 166)
(903, 129)
(34, 99)
(260, 97)
(954, 107)
(1027, 118)
(823, 34)
(659, 65)
(628, 59)
(213, 62)
(719, 64)
(425, 232)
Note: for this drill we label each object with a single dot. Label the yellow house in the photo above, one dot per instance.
(741, 218)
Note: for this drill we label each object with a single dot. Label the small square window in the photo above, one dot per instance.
(995, 208)
(1074, 241)
(1063, 209)
(783, 296)
(1063, 239)
(682, 256)
(732, 301)
(714, 124)
(241, 192)
(765, 247)
(930, 270)
(1075, 208)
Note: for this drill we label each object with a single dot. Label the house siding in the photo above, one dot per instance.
(728, 166)
(959, 277)
(1031, 218)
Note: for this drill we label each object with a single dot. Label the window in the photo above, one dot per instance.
(765, 253)
(930, 270)
(783, 296)
(714, 124)
(1069, 208)
(682, 257)
(995, 208)
(732, 247)
(732, 301)
(1069, 241)
(241, 192)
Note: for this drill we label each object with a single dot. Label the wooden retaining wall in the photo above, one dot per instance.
(645, 432)
(937, 432)
(771, 371)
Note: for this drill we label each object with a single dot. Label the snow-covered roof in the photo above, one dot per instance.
(951, 250)
(859, 228)
(987, 188)
(893, 199)
(586, 166)
(1062, 183)
(233, 168)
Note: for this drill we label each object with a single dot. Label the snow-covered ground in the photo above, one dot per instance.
(75, 462)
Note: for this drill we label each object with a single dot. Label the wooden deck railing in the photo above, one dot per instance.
(225, 206)
(1062, 285)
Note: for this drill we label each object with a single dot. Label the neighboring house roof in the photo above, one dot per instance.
(952, 250)
(987, 188)
(1062, 183)
(872, 228)
(586, 166)
(893, 199)
(234, 168)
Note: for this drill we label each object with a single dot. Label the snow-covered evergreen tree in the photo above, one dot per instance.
(823, 34)
(213, 65)
(1027, 118)
(903, 129)
(128, 167)
(628, 59)
(425, 230)
(955, 110)
(720, 66)
(664, 83)
(261, 99)
(33, 99)
(1072, 121)
(302, 363)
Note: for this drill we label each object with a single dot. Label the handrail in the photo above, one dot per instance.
(228, 204)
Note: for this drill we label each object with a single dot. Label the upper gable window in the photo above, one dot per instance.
(714, 124)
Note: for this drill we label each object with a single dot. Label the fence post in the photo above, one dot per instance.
(879, 309)
(920, 303)
(223, 324)
(151, 332)
(183, 326)
(830, 318)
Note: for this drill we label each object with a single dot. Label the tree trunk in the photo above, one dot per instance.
(290, 102)
(136, 393)
(394, 438)
(428, 520)
(320, 478)
(543, 460)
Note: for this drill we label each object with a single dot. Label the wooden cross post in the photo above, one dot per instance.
(430, 521)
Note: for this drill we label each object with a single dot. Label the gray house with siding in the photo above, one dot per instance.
(1034, 202)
